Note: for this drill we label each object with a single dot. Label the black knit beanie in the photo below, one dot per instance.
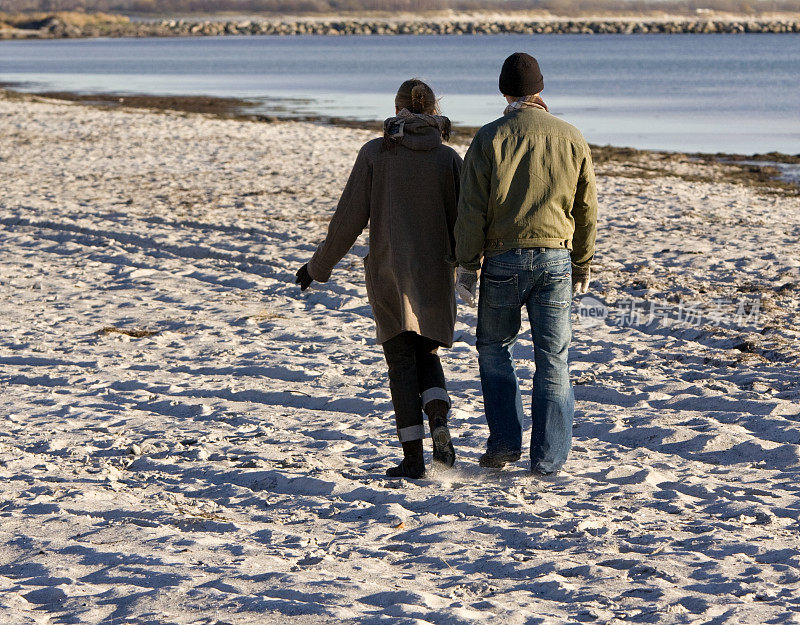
(521, 76)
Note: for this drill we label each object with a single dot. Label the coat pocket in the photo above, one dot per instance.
(368, 282)
(501, 291)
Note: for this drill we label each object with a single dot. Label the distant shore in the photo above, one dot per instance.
(68, 25)
(766, 171)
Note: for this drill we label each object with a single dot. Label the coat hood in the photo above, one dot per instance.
(416, 131)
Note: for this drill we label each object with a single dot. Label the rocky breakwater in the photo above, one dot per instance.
(54, 27)
(376, 27)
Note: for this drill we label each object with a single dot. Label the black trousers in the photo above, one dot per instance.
(415, 378)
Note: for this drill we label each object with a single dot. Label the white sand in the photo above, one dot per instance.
(229, 468)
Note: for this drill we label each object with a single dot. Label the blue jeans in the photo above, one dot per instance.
(541, 280)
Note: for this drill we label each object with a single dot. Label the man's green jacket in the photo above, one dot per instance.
(527, 181)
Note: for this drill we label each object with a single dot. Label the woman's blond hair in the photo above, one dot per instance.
(417, 97)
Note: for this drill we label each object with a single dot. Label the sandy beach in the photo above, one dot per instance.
(188, 439)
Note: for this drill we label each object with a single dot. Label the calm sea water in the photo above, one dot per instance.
(728, 93)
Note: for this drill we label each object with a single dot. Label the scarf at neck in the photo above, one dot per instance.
(526, 102)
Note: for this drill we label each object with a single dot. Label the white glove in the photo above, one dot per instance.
(580, 280)
(467, 285)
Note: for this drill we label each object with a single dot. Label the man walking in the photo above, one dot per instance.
(528, 206)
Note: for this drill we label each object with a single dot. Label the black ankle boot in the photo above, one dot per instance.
(413, 464)
(443, 451)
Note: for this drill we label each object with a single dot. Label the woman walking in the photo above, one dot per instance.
(406, 186)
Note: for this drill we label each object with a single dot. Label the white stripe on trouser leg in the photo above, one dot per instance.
(437, 392)
(411, 433)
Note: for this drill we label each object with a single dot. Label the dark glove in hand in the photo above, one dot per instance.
(304, 278)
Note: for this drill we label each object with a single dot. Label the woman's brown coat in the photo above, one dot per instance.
(408, 193)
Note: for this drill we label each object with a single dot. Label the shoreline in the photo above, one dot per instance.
(66, 25)
(761, 170)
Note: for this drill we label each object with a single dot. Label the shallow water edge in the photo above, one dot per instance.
(774, 172)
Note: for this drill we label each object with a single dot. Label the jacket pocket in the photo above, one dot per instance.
(501, 291)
